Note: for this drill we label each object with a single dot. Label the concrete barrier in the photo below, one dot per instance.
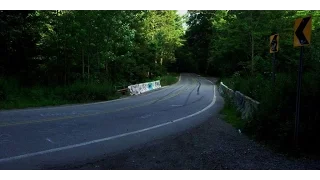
(143, 87)
(244, 104)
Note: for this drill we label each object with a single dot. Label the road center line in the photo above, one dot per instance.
(110, 138)
(5, 124)
(176, 105)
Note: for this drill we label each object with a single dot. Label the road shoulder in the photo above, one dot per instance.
(214, 144)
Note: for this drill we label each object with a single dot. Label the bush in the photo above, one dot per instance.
(250, 86)
(14, 97)
(274, 122)
(232, 116)
(86, 92)
(169, 79)
(2, 93)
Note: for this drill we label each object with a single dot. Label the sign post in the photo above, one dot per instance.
(302, 37)
(274, 47)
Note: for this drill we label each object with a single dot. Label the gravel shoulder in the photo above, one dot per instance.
(214, 144)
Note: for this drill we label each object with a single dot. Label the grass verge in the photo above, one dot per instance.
(12, 96)
(232, 116)
(169, 79)
(15, 97)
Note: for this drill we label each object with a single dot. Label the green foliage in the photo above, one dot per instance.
(169, 79)
(62, 47)
(77, 56)
(235, 46)
(251, 86)
(86, 92)
(231, 115)
(274, 121)
(78, 92)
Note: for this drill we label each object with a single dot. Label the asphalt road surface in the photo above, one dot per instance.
(43, 138)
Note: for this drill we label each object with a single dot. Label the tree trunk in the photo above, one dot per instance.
(252, 45)
(108, 47)
(106, 66)
(252, 53)
(207, 68)
(98, 62)
(161, 58)
(88, 68)
(82, 64)
(65, 71)
(65, 62)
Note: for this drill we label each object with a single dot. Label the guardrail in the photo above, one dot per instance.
(143, 87)
(244, 104)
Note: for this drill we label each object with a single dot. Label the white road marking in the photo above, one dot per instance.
(146, 116)
(49, 140)
(59, 114)
(176, 105)
(62, 106)
(209, 81)
(109, 138)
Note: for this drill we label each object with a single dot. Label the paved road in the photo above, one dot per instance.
(48, 137)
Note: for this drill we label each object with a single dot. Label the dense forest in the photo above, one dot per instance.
(80, 56)
(56, 57)
(234, 45)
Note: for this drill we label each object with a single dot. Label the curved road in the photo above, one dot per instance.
(47, 137)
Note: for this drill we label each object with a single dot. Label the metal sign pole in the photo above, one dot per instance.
(273, 68)
(274, 47)
(296, 132)
(302, 37)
